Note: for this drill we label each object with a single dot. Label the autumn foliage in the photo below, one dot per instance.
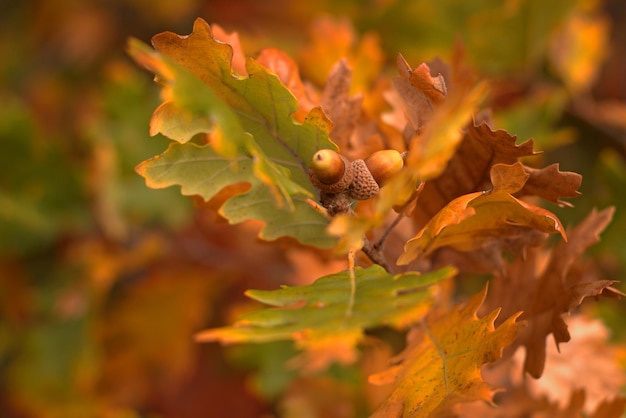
(359, 236)
(463, 188)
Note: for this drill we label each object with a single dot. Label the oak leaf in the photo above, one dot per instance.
(440, 366)
(551, 184)
(519, 403)
(469, 168)
(587, 371)
(287, 70)
(483, 219)
(252, 135)
(352, 132)
(420, 95)
(600, 374)
(327, 318)
(212, 172)
(545, 287)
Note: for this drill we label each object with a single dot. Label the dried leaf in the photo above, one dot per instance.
(441, 364)
(420, 93)
(480, 220)
(552, 184)
(431, 150)
(583, 378)
(518, 403)
(468, 170)
(546, 289)
(343, 110)
(600, 374)
(325, 321)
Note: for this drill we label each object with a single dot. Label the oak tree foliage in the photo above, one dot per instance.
(469, 197)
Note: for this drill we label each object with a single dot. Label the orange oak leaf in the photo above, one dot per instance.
(469, 168)
(483, 219)
(544, 287)
(440, 366)
(232, 39)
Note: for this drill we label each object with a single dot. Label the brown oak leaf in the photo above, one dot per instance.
(552, 184)
(583, 378)
(356, 135)
(468, 169)
(544, 287)
(414, 97)
(482, 220)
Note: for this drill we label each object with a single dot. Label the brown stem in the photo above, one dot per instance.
(374, 254)
(385, 235)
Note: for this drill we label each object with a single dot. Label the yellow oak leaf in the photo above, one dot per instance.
(440, 366)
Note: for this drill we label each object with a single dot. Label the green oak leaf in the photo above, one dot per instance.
(325, 321)
(251, 136)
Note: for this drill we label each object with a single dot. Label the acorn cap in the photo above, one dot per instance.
(363, 185)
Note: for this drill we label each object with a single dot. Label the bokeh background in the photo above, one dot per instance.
(103, 282)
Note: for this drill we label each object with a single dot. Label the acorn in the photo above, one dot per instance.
(330, 171)
(384, 164)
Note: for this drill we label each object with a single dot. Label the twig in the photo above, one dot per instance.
(381, 241)
(374, 254)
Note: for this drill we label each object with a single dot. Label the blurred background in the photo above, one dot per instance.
(103, 282)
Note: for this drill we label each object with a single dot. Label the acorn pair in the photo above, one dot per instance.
(333, 174)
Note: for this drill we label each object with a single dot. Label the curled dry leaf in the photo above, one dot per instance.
(483, 219)
(468, 170)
